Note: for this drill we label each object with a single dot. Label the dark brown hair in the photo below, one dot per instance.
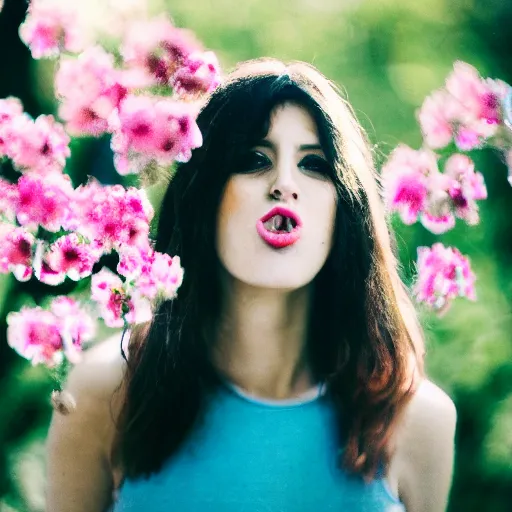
(364, 339)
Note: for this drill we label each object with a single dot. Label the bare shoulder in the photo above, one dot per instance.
(423, 462)
(79, 441)
(100, 372)
(430, 412)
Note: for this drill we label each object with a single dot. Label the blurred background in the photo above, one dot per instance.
(387, 55)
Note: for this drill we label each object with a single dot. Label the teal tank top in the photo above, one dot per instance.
(259, 455)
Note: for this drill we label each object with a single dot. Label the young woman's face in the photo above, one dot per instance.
(287, 169)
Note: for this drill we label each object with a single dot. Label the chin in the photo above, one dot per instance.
(286, 277)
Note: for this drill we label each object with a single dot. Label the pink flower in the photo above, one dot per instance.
(107, 290)
(16, 250)
(113, 215)
(45, 201)
(115, 303)
(50, 28)
(8, 200)
(70, 256)
(153, 274)
(466, 187)
(199, 74)
(443, 274)
(405, 181)
(473, 93)
(162, 279)
(10, 108)
(47, 336)
(76, 326)
(479, 104)
(148, 129)
(34, 333)
(40, 146)
(436, 119)
(158, 48)
(90, 89)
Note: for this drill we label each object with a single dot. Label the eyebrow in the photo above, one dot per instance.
(304, 147)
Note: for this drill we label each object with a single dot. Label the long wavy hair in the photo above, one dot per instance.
(364, 339)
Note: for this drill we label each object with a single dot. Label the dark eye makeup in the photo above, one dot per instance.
(255, 161)
(316, 164)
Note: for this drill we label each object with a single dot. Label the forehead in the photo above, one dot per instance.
(293, 122)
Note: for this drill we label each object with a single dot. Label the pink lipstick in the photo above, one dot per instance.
(279, 227)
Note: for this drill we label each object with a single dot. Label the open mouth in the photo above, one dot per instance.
(279, 227)
(280, 224)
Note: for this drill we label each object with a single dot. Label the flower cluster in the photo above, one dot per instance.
(148, 276)
(443, 274)
(52, 231)
(438, 183)
(468, 111)
(39, 145)
(417, 189)
(47, 336)
(146, 98)
(50, 28)
(97, 96)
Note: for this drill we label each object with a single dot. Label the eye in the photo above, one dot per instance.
(253, 161)
(316, 164)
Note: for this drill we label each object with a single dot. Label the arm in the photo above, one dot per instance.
(79, 473)
(425, 450)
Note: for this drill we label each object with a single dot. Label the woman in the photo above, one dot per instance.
(288, 374)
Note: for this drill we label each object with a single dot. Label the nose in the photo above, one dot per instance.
(284, 187)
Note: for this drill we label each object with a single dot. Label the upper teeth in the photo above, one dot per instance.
(279, 223)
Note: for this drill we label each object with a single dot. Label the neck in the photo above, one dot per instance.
(261, 340)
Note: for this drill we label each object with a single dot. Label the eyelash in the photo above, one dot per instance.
(320, 165)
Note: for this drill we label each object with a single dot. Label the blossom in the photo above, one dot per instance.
(49, 28)
(152, 274)
(436, 117)
(75, 324)
(8, 199)
(40, 146)
(43, 336)
(69, 256)
(162, 279)
(443, 274)
(16, 250)
(158, 48)
(200, 73)
(466, 187)
(479, 104)
(115, 303)
(405, 182)
(34, 334)
(112, 215)
(90, 89)
(473, 93)
(468, 110)
(148, 129)
(45, 201)
(10, 108)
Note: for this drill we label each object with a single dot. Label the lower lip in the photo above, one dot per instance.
(278, 240)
